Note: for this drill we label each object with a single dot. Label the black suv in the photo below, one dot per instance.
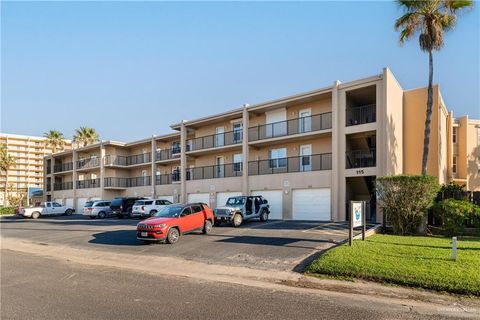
(123, 206)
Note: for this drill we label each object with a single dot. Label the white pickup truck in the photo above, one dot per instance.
(48, 209)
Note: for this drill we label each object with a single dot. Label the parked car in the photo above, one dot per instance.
(122, 206)
(156, 206)
(98, 208)
(242, 208)
(139, 207)
(175, 220)
(48, 209)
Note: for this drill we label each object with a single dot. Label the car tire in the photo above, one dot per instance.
(207, 227)
(68, 212)
(237, 220)
(36, 215)
(173, 235)
(264, 216)
(101, 215)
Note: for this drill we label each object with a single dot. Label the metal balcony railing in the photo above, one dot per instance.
(162, 179)
(313, 123)
(315, 162)
(63, 185)
(61, 167)
(139, 181)
(216, 171)
(215, 140)
(361, 115)
(118, 160)
(115, 182)
(360, 158)
(176, 149)
(163, 155)
(86, 184)
(115, 160)
(88, 163)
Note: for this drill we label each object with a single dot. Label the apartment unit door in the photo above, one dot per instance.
(305, 121)
(306, 158)
(219, 167)
(219, 136)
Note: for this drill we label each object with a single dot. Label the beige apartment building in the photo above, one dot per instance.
(308, 154)
(29, 152)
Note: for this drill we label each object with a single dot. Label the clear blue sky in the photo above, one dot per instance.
(131, 69)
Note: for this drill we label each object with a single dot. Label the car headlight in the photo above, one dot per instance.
(160, 226)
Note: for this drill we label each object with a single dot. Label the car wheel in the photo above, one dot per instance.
(207, 227)
(237, 220)
(35, 215)
(153, 212)
(101, 215)
(130, 214)
(68, 212)
(264, 216)
(173, 235)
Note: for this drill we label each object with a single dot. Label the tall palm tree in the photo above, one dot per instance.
(55, 139)
(6, 162)
(85, 136)
(430, 19)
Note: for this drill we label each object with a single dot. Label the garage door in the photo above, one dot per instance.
(311, 204)
(80, 204)
(169, 198)
(274, 198)
(69, 202)
(222, 197)
(95, 199)
(199, 197)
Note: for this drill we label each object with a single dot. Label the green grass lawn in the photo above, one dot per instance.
(413, 261)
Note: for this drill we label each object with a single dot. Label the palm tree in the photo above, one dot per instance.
(55, 139)
(85, 136)
(6, 162)
(431, 19)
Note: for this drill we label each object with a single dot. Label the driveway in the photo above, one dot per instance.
(284, 245)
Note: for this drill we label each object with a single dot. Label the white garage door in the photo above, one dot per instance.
(311, 204)
(222, 197)
(274, 198)
(69, 202)
(95, 199)
(80, 204)
(199, 197)
(169, 198)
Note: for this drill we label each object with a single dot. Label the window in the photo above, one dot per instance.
(454, 165)
(196, 209)
(56, 204)
(237, 132)
(187, 211)
(237, 162)
(454, 134)
(278, 158)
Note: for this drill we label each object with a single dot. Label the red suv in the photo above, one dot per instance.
(176, 219)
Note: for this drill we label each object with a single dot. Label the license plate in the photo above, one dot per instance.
(144, 234)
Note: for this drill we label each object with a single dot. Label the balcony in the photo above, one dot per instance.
(125, 161)
(216, 171)
(48, 187)
(49, 169)
(315, 162)
(62, 167)
(360, 158)
(86, 184)
(63, 186)
(166, 154)
(361, 115)
(215, 140)
(114, 182)
(139, 182)
(163, 179)
(119, 182)
(290, 127)
(88, 163)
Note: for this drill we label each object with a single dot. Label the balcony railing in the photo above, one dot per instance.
(88, 163)
(162, 179)
(313, 123)
(61, 167)
(63, 186)
(361, 115)
(360, 158)
(120, 182)
(216, 171)
(315, 162)
(163, 155)
(49, 169)
(118, 160)
(215, 140)
(86, 184)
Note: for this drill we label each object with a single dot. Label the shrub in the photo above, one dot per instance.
(455, 214)
(7, 210)
(452, 190)
(405, 200)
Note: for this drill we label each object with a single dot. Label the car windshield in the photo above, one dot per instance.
(89, 204)
(169, 211)
(235, 201)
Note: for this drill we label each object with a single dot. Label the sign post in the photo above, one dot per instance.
(357, 219)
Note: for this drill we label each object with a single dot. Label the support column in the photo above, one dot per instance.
(153, 167)
(336, 153)
(52, 175)
(74, 177)
(102, 170)
(183, 163)
(245, 150)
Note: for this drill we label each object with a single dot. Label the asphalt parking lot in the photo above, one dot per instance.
(285, 245)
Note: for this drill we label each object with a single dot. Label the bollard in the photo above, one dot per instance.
(454, 248)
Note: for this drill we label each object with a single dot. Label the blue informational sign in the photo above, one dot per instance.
(35, 192)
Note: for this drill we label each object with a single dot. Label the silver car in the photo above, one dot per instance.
(138, 208)
(98, 208)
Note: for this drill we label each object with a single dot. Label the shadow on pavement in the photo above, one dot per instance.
(275, 241)
(117, 238)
